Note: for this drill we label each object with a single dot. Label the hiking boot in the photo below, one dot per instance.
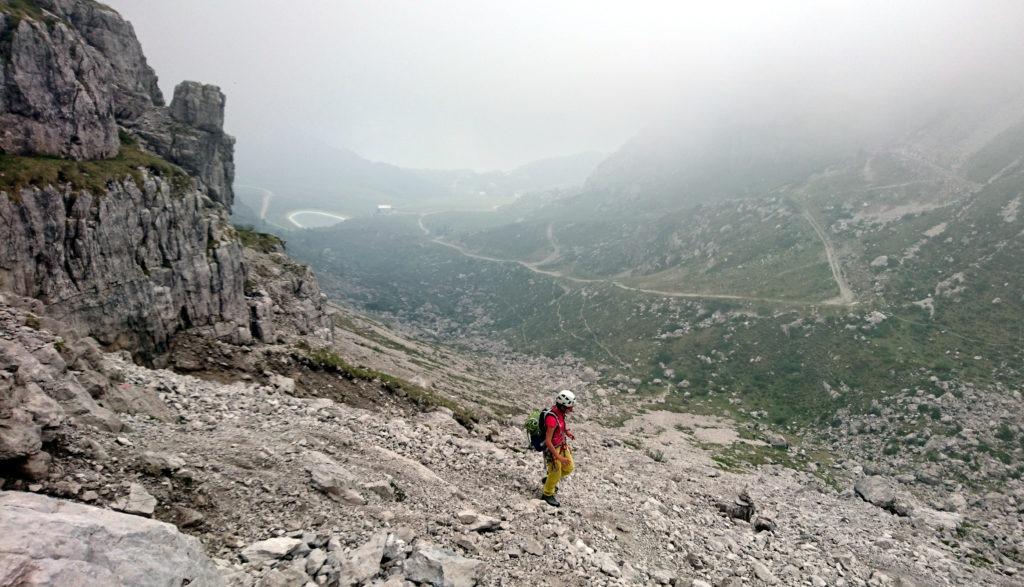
(552, 501)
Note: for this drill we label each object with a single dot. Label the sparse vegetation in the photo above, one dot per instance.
(327, 360)
(24, 9)
(1005, 433)
(259, 241)
(19, 172)
(655, 455)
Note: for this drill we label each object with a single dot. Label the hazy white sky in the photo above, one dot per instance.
(487, 84)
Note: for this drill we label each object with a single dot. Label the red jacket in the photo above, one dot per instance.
(556, 421)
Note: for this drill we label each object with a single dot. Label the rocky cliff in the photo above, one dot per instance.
(132, 265)
(114, 225)
(132, 243)
(190, 133)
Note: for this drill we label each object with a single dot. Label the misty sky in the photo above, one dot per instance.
(485, 84)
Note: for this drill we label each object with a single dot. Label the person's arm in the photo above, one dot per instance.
(548, 434)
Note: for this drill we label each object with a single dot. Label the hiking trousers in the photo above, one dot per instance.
(556, 470)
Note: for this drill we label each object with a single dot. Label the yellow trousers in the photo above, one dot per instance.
(557, 471)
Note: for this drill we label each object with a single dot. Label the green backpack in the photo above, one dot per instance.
(536, 428)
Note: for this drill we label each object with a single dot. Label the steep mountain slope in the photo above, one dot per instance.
(303, 442)
(868, 307)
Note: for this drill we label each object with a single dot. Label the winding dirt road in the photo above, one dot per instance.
(846, 297)
(535, 267)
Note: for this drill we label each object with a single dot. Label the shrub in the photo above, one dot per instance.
(655, 455)
(325, 359)
(632, 443)
(1004, 432)
(259, 241)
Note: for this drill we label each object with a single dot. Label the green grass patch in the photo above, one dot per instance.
(741, 457)
(259, 241)
(655, 455)
(19, 172)
(20, 9)
(325, 359)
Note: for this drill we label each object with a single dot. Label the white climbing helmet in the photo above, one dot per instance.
(566, 398)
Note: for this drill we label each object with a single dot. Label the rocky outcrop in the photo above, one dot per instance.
(284, 298)
(55, 94)
(141, 259)
(134, 89)
(46, 541)
(132, 265)
(199, 106)
(45, 379)
(190, 133)
(72, 71)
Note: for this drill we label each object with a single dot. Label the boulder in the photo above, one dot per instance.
(762, 573)
(156, 464)
(364, 562)
(138, 501)
(352, 497)
(36, 466)
(777, 440)
(132, 399)
(435, 566)
(314, 561)
(287, 577)
(608, 565)
(270, 550)
(939, 520)
(282, 383)
(186, 517)
(48, 541)
(741, 507)
(763, 524)
(384, 489)
(878, 491)
(331, 478)
(478, 522)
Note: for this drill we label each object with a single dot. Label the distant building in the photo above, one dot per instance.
(384, 209)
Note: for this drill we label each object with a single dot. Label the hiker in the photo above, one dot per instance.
(557, 454)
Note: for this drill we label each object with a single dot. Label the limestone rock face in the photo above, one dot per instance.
(55, 94)
(134, 88)
(199, 106)
(69, 76)
(288, 301)
(190, 133)
(38, 391)
(48, 541)
(134, 264)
